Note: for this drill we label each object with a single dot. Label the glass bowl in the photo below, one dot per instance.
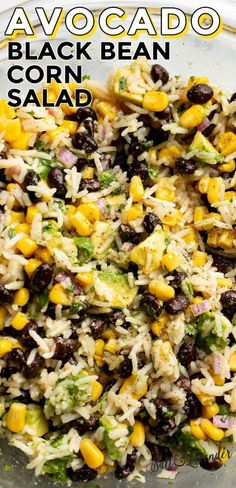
(189, 55)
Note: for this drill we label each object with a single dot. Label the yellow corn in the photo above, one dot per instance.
(30, 214)
(190, 236)
(82, 225)
(197, 431)
(103, 469)
(192, 117)
(193, 80)
(97, 390)
(133, 213)
(161, 290)
(218, 380)
(59, 296)
(22, 142)
(90, 211)
(136, 189)
(11, 129)
(5, 347)
(200, 214)
(225, 282)
(202, 184)
(25, 228)
(85, 278)
(159, 324)
(70, 210)
(44, 255)
(227, 143)
(155, 101)
(226, 239)
(17, 217)
(211, 430)
(93, 457)
(52, 134)
(26, 246)
(215, 191)
(70, 125)
(6, 112)
(164, 193)
(107, 109)
(129, 387)
(169, 155)
(232, 362)
(3, 315)
(111, 346)
(229, 195)
(170, 261)
(31, 265)
(208, 412)
(88, 172)
(19, 321)
(99, 347)
(108, 333)
(16, 417)
(213, 236)
(21, 297)
(228, 167)
(137, 437)
(206, 400)
(199, 258)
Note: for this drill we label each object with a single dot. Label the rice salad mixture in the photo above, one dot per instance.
(117, 277)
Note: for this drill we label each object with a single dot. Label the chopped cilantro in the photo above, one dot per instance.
(85, 249)
(117, 191)
(191, 329)
(12, 233)
(70, 289)
(75, 307)
(46, 165)
(39, 145)
(7, 467)
(106, 178)
(153, 172)
(148, 144)
(57, 442)
(57, 469)
(43, 299)
(122, 83)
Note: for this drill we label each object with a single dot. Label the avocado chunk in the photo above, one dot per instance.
(35, 421)
(154, 246)
(192, 450)
(110, 425)
(204, 150)
(121, 89)
(111, 285)
(102, 239)
(57, 469)
(213, 331)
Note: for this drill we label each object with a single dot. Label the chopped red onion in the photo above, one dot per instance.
(101, 203)
(218, 363)
(223, 422)
(205, 123)
(101, 132)
(66, 157)
(77, 289)
(62, 276)
(13, 171)
(199, 308)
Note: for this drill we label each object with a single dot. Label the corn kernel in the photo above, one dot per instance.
(17, 217)
(31, 265)
(161, 290)
(59, 296)
(32, 210)
(82, 225)
(200, 216)
(70, 125)
(88, 172)
(206, 400)
(16, 417)
(85, 278)
(226, 239)
(202, 184)
(232, 362)
(21, 297)
(137, 437)
(208, 412)
(107, 109)
(213, 236)
(227, 143)
(192, 117)
(24, 228)
(6, 111)
(103, 469)
(108, 333)
(199, 258)
(190, 236)
(135, 390)
(229, 195)
(211, 430)
(159, 324)
(111, 346)
(218, 380)
(22, 142)
(164, 193)
(136, 189)
(90, 211)
(12, 129)
(169, 155)
(228, 167)
(44, 255)
(225, 282)
(93, 457)
(52, 134)
(133, 213)
(19, 321)
(5, 347)
(97, 390)
(170, 261)
(197, 431)
(215, 191)
(155, 101)
(26, 246)
(3, 315)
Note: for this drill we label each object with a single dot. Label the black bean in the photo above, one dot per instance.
(90, 184)
(200, 93)
(146, 119)
(109, 385)
(192, 406)
(138, 169)
(6, 296)
(228, 300)
(151, 306)
(31, 179)
(41, 278)
(233, 97)
(85, 113)
(165, 427)
(223, 264)
(187, 353)
(150, 221)
(179, 276)
(84, 142)
(141, 360)
(208, 130)
(162, 409)
(16, 359)
(128, 234)
(133, 268)
(183, 382)
(125, 368)
(118, 318)
(158, 453)
(84, 474)
(107, 372)
(210, 465)
(158, 136)
(89, 127)
(136, 148)
(83, 426)
(186, 166)
(122, 472)
(227, 176)
(24, 397)
(51, 310)
(121, 160)
(197, 376)
(177, 304)
(81, 163)
(64, 349)
(158, 72)
(56, 179)
(96, 328)
(33, 369)
(25, 337)
(7, 372)
(165, 114)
